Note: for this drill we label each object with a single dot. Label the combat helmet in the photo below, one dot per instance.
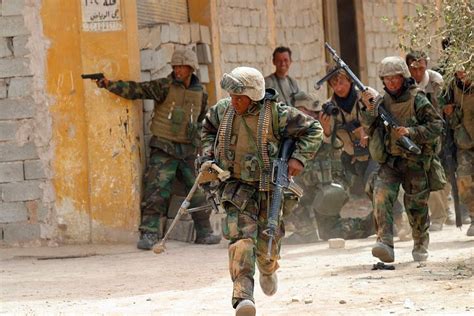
(244, 81)
(186, 57)
(307, 101)
(393, 65)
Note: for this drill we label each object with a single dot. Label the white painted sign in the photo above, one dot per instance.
(101, 15)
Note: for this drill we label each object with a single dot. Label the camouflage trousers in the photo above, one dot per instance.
(245, 221)
(465, 178)
(162, 170)
(438, 204)
(413, 178)
(308, 222)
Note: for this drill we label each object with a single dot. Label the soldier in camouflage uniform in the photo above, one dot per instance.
(431, 83)
(458, 105)
(319, 209)
(243, 134)
(343, 122)
(180, 104)
(418, 121)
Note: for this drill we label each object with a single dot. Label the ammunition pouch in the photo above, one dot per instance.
(436, 176)
(377, 145)
(238, 194)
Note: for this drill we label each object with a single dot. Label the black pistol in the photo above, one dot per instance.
(95, 76)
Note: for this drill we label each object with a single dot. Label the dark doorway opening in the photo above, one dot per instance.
(348, 36)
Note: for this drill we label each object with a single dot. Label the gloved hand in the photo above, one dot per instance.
(203, 162)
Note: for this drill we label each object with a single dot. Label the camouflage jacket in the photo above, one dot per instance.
(292, 123)
(424, 133)
(447, 97)
(462, 119)
(157, 90)
(320, 170)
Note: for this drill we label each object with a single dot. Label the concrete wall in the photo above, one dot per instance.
(381, 39)
(70, 155)
(26, 190)
(250, 31)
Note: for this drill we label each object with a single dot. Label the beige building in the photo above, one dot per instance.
(72, 155)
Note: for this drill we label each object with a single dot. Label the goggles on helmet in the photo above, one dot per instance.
(232, 84)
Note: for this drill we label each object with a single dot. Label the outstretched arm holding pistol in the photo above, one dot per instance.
(99, 79)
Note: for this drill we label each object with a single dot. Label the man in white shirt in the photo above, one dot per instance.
(286, 86)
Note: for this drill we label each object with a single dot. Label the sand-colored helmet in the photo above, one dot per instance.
(244, 81)
(307, 100)
(393, 65)
(185, 57)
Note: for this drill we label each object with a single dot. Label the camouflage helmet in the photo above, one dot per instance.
(330, 199)
(185, 57)
(393, 65)
(307, 101)
(244, 81)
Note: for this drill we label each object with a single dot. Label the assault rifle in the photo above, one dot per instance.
(404, 142)
(449, 148)
(94, 76)
(281, 181)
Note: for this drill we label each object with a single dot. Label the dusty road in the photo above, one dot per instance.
(193, 280)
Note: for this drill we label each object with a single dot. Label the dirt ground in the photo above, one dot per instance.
(193, 279)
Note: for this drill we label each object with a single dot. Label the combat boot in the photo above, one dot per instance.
(419, 253)
(436, 227)
(470, 231)
(383, 252)
(245, 308)
(147, 240)
(451, 219)
(269, 283)
(420, 250)
(209, 239)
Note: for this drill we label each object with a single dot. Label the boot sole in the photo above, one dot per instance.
(247, 310)
(382, 255)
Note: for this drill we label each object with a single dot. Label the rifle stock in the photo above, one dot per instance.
(451, 168)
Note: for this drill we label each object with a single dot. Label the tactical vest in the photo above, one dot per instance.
(466, 100)
(246, 145)
(345, 136)
(175, 118)
(404, 113)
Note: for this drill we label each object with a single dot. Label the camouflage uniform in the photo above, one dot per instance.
(354, 157)
(411, 109)
(235, 142)
(173, 144)
(316, 181)
(462, 122)
(431, 84)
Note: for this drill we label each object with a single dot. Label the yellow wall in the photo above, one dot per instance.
(97, 136)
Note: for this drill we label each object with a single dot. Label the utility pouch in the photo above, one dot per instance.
(177, 118)
(249, 170)
(436, 176)
(238, 194)
(377, 145)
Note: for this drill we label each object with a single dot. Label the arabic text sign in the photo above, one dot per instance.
(101, 15)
